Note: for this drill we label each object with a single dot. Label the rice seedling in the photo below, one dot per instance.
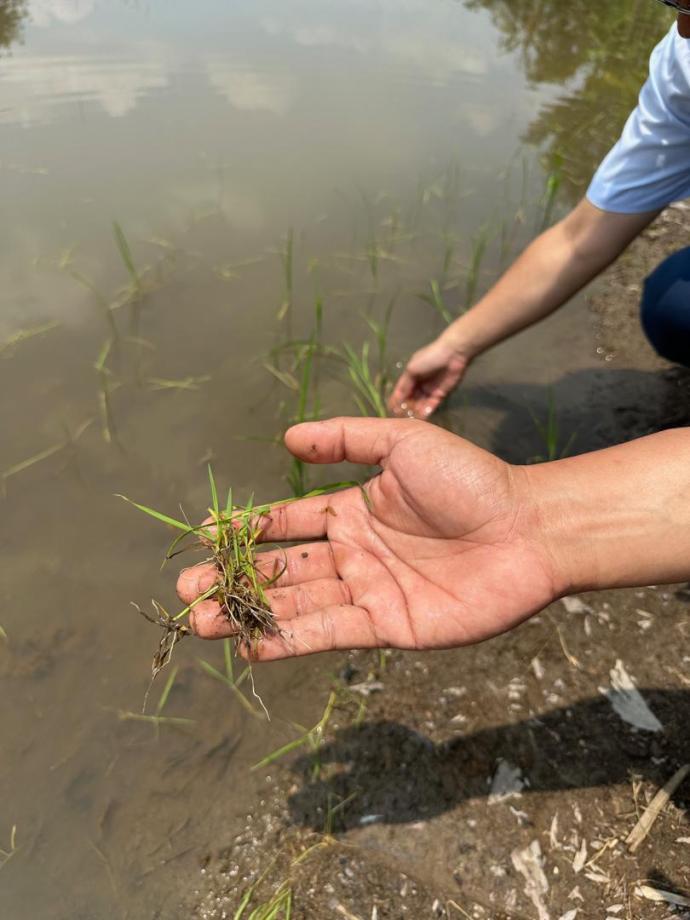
(449, 247)
(101, 300)
(105, 406)
(311, 738)
(380, 331)
(6, 855)
(549, 431)
(229, 541)
(282, 898)
(126, 255)
(435, 299)
(157, 719)
(479, 244)
(134, 293)
(231, 682)
(285, 377)
(368, 391)
(183, 383)
(302, 379)
(28, 463)
(22, 335)
(287, 261)
(279, 906)
(554, 180)
(373, 257)
(3, 634)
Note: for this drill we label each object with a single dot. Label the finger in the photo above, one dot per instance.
(359, 440)
(336, 627)
(402, 391)
(298, 600)
(208, 621)
(196, 580)
(307, 562)
(305, 519)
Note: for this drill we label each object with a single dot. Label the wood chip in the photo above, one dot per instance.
(654, 809)
(659, 895)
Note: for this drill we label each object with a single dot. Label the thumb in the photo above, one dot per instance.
(359, 440)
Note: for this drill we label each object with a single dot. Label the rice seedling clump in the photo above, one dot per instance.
(228, 539)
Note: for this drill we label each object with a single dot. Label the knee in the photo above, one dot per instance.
(665, 308)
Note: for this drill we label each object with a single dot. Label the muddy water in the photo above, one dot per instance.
(389, 136)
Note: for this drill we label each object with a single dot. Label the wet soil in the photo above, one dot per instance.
(401, 813)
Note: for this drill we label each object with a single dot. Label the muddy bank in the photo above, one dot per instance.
(460, 770)
(499, 781)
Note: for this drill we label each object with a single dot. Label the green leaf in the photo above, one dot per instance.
(166, 691)
(214, 493)
(158, 515)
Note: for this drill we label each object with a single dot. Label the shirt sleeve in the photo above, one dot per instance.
(649, 167)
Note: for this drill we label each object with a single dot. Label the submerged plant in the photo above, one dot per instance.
(233, 683)
(10, 343)
(6, 855)
(435, 299)
(123, 248)
(479, 245)
(550, 434)
(367, 389)
(554, 180)
(287, 261)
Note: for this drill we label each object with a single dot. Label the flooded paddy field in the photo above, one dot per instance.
(202, 207)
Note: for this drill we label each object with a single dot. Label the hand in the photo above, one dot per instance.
(446, 551)
(429, 377)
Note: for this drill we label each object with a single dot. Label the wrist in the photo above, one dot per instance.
(559, 522)
(457, 339)
(613, 518)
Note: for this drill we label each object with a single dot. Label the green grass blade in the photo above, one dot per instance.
(281, 752)
(227, 655)
(214, 493)
(202, 597)
(158, 515)
(126, 254)
(163, 699)
(31, 461)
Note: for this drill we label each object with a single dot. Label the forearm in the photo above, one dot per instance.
(552, 269)
(618, 517)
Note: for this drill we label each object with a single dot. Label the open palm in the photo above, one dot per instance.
(442, 554)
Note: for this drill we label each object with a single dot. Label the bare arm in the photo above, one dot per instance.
(552, 269)
(618, 517)
(453, 545)
(557, 265)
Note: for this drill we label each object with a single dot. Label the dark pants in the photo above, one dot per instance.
(666, 308)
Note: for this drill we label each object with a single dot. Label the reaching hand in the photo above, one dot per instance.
(429, 377)
(446, 551)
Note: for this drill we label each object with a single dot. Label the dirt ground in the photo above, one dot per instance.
(499, 781)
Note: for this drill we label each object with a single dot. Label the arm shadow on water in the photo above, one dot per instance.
(590, 409)
(397, 774)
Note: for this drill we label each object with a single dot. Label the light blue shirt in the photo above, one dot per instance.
(650, 165)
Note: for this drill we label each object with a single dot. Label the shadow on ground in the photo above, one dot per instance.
(400, 776)
(593, 408)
